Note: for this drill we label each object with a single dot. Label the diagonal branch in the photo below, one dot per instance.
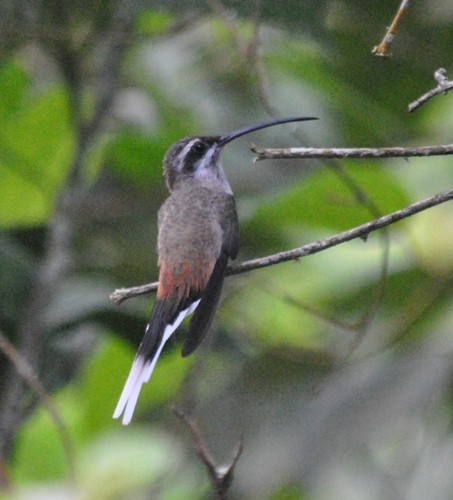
(444, 85)
(361, 231)
(25, 370)
(383, 49)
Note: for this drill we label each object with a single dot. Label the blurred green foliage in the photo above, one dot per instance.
(334, 368)
(36, 146)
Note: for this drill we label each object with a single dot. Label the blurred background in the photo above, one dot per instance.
(335, 370)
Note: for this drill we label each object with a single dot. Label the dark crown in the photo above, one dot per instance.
(184, 156)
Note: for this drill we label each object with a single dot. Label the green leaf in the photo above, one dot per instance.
(13, 85)
(323, 201)
(364, 117)
(121, 464)
(106, 373)
(263, 307)
(135, 158)
(151, 23)
(21, 201)
(35, 151)
(39, 452)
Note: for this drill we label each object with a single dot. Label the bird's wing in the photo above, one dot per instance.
(204, 314)
(202, 318)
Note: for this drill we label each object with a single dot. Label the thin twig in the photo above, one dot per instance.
(364, 199)
(444, 85)
(25, 370)
(279, 292)
(393, 152)
(228, 16)
(361, 231)
(221, 476)
(383, 49)
(253, 46)
(5, 481)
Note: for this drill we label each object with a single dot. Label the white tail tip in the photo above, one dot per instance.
(142, 370)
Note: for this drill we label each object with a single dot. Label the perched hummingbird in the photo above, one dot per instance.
(198, 233)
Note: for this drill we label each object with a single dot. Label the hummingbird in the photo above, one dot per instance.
(197, 235)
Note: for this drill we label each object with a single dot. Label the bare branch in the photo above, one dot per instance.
(396, 152)
(444, 85)
(221, 476)
(121, 294)
(361, 231)
(383, 49)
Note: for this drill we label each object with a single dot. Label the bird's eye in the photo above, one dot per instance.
(194, 154)
(199, 148)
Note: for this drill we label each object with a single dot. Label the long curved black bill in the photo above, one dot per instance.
(225, 139)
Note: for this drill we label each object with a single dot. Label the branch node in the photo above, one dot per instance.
(444, 85)
(121, 294)
(383, 49)
(221, 475)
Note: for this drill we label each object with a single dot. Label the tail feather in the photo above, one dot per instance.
(142, 369)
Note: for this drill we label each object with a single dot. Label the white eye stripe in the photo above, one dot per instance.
(205, 161)
(185, 150)
(202, 163)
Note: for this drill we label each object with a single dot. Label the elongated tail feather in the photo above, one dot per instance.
(142, 369)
